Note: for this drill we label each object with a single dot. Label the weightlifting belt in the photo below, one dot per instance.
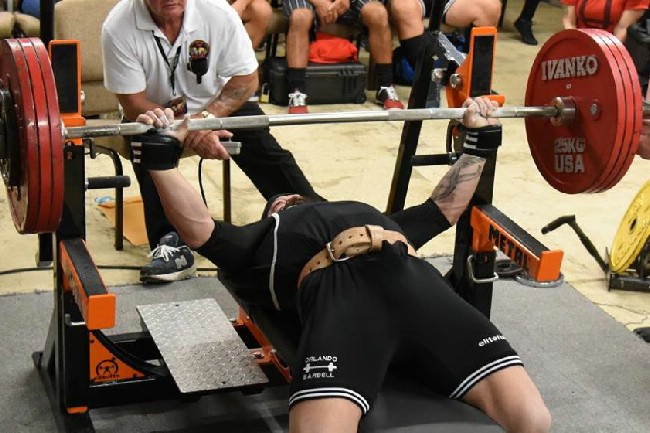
(350, 243)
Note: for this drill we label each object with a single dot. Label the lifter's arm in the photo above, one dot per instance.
(182, 203)
(456, 188)
(452, 194)
(228, 246)
(184, 207)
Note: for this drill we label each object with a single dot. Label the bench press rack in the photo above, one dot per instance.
(83, 368)
(482, 229)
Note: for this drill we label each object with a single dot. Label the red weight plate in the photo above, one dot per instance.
(619, 159)
(44, 161)
(55, 136)
(23, 197)
(630, 78)
(573, 64)
(631, 100)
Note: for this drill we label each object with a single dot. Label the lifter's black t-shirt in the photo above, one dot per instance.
(263, 259)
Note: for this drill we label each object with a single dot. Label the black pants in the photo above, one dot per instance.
(528, 10)
(272, 169)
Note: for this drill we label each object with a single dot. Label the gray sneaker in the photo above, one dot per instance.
(172, 261)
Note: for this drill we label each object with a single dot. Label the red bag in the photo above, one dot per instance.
(332, 49)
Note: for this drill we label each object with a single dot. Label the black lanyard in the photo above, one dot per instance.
(171, 66)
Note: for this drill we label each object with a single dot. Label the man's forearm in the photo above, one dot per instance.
(569, 19)
(457, 186)
(184, 207)
(629, 17)
(233, 95)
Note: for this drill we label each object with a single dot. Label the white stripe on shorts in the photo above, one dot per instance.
(482, 373)
(332, 392)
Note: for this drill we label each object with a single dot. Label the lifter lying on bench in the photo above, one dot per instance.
(359, 316)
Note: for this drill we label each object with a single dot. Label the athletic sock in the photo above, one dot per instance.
(297, 78)
(411, 48)
(384, 73)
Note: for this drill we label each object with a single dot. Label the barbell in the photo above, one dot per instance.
(583, 112)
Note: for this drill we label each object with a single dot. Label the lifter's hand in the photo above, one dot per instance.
(158, 150)
(204, 143)
(157, 118)
(482, 132)
(478, 111)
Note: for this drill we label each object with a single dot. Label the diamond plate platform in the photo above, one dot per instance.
(200, 346)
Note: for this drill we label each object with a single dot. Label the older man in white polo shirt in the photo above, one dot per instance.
(195, 57)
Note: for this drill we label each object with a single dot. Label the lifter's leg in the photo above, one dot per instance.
(336, 415)
(511, 399)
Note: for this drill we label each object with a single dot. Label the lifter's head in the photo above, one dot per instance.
(284, 201)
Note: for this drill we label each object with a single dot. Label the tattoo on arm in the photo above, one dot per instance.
(455, 189)
(233, 95)
(229, 100)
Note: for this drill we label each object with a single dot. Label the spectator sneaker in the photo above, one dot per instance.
(172, 261)
(525, 29)
(297, 103)
(387, 97)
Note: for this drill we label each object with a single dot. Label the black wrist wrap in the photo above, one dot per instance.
(154, 151)
(482, 141)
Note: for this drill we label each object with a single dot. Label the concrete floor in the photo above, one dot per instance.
(363, 155)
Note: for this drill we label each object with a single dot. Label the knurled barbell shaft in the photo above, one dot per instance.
(262, 121)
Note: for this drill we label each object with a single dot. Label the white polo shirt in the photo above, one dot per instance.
(133, 61)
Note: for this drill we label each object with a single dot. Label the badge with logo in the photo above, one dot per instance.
(320, 367)
(198, 63)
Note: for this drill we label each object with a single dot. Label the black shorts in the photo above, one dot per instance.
(362, 315)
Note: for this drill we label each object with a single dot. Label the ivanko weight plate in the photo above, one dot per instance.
(44, 162)
(56, 135)
(23, 193)
(52, 117)
(632, 233)
(574, 64)
(618, 161)
(630, 79)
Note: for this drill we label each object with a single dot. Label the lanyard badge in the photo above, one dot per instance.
(198, 62)
(171, 63)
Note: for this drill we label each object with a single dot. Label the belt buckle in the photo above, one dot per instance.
(330, 252)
